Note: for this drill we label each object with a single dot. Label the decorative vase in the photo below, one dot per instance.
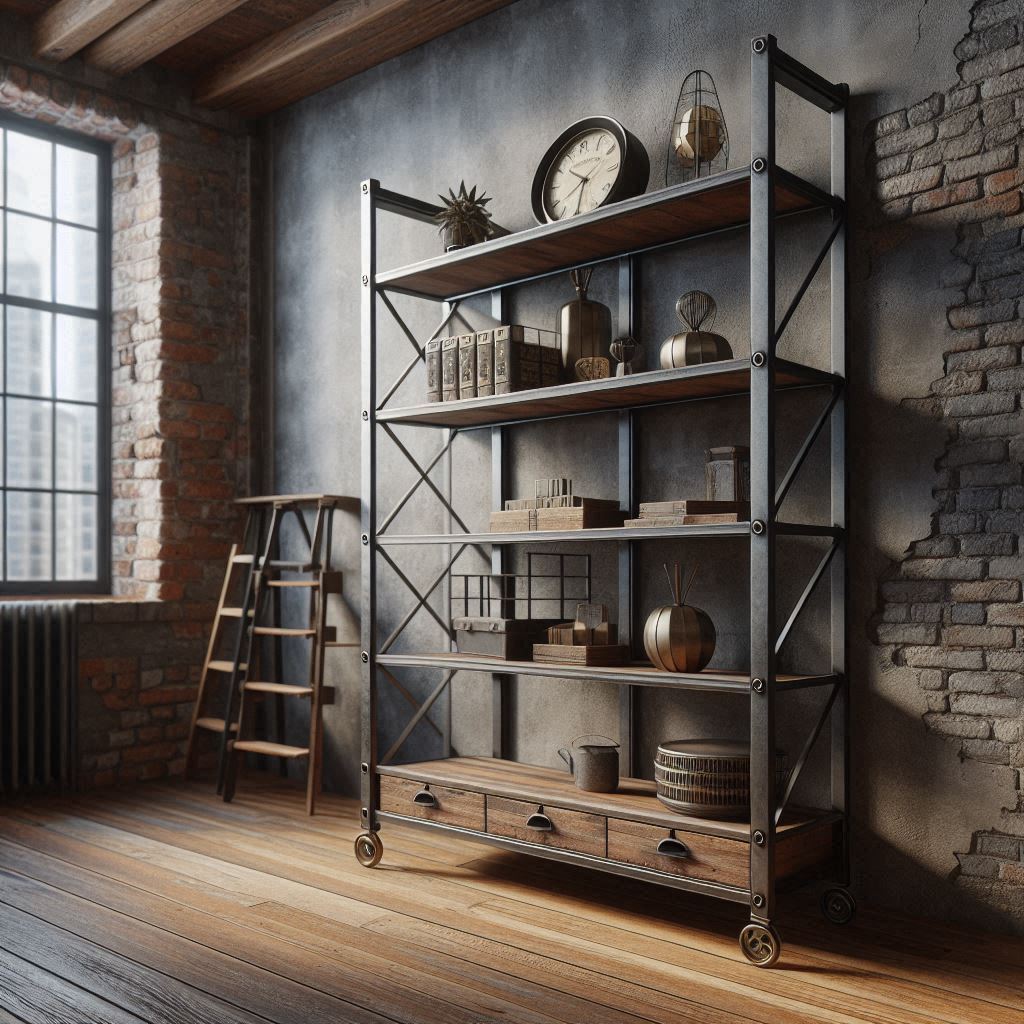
(699, 140)
(624, 350)
(694, 345)
(585, 327)
(679, 637)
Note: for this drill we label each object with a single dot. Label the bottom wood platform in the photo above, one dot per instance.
(540, 810)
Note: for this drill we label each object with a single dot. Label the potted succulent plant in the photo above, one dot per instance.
(464, 219)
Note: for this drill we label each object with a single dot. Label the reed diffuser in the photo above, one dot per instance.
(679, 637)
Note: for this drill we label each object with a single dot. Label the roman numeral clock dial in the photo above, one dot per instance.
(593, 162)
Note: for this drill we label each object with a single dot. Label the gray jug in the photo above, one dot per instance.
(595, 766)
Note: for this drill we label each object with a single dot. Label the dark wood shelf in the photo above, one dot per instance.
(656, 387)
(709, 680)
(634, 800)
(663, 217)
(569, 536)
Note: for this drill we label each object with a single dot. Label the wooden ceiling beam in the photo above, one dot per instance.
(340, 41)
(70, 25)
(158, 26)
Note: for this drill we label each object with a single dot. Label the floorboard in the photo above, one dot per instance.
(163, 904)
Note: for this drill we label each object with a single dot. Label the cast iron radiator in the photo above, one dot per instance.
(38, 677)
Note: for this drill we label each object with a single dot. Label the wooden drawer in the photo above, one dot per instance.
(449, 806)
(569, 830)
(709, 857)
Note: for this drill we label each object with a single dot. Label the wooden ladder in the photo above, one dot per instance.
(228, 670)
(271, 578)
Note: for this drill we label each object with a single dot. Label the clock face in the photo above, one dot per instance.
(583, 174)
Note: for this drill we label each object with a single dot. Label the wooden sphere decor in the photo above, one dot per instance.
(679, 637)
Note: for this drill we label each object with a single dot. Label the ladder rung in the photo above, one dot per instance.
(340, 643)
(214, 724)
(226, 666)
(287, 689)
(332, 582)
(233, 613)
(243, 559)
(282, 631)
(276, 563)
(270, 749)
(291, 583)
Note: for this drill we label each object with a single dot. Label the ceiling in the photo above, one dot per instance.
(250, 56)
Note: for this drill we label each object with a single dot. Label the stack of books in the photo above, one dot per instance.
(497, 361)
(690, 512)
(555, 507)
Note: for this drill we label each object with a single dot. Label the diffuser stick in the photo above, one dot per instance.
(679, 584)
(668, 577)
(689, 582)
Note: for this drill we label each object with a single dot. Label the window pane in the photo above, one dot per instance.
(29, 431)
(29, 536)
(28, 257)
(28, 351)
(76, 266)
(76, 358)
(76, 536)
(29, 163)
(76, 447)
(76, 186)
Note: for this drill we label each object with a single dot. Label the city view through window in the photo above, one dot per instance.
(55, 242)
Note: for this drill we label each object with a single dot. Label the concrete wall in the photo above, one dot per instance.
(482, 104)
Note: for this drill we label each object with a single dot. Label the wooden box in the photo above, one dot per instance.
(511, 639)
(591, 515)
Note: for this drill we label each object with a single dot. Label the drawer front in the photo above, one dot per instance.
(569, 830)
(448, 806)
(706, 857)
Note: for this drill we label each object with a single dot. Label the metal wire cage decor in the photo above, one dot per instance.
(698, 143)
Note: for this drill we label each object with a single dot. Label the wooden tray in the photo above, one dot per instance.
(571, 654)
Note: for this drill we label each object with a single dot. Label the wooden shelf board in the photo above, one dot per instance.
(635, 799)
(655, 387)
(714, 203)
(633, 675)
(577, 536)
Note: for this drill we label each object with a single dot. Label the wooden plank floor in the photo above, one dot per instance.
(162, 905)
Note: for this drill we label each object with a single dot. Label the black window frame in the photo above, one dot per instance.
(103, 151)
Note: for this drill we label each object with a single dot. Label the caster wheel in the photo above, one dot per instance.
(760, 944)
(838, 906)
(369, 849)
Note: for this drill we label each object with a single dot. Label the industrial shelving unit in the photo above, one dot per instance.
(629, 832)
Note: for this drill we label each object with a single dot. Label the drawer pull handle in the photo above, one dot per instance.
(425, 798)
(539, 822)
(673, 848)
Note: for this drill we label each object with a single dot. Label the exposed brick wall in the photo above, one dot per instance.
(180, 420)
(951, 608)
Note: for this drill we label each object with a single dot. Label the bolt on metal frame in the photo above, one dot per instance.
(770, 67)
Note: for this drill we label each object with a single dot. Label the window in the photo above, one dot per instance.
(54, 371)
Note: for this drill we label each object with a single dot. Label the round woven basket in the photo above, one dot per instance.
(708, 778)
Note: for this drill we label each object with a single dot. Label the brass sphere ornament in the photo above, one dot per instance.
(698, 141)
(695, 345)
(679, 637)
(699, 135)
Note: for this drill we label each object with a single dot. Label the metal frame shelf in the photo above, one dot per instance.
(755, 198)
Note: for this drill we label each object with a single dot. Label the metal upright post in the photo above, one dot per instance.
(840, 739)
(762, 480)
(368, 505)
(500, 682)
(628, 491)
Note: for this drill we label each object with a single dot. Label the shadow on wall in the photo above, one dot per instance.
(948, 611)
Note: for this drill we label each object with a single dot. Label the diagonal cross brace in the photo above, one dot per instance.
(812, 738)
(422, 598)
(424, 478)
(412, 490)
(418, 358)
(808, 590)
(415, 720)
(410, 699)
(805, 449)
(800, 292)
